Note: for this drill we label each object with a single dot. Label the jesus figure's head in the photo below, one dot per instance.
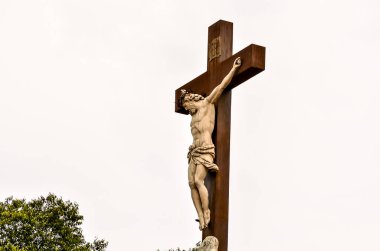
(188, 100)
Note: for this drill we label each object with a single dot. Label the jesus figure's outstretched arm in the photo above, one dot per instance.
(215, 94)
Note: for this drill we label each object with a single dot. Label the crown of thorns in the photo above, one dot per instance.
(195, 97)
(183, 94)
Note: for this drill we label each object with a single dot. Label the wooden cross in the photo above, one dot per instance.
(219, 63)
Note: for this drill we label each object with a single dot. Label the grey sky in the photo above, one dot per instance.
(87, 112)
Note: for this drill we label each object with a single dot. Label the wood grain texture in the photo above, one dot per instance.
(253, 62)
(218, 184)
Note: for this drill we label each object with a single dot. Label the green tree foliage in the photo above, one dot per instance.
(43, 224)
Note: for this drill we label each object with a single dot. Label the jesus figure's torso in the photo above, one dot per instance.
(202, 123)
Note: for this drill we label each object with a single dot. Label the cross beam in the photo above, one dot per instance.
(219, 62)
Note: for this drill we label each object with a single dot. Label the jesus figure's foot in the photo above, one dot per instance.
(201, 221)
(207, 216)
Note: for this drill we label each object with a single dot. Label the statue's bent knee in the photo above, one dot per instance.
(192, 185)
(199, 183)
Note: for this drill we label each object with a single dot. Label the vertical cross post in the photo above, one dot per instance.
(220, 47)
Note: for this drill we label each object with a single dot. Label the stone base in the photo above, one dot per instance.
(210, 243)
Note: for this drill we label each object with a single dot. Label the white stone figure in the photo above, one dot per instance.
(201, 152)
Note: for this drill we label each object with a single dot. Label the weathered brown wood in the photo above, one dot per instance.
(253, 59)
(218, 184)
(253, 62)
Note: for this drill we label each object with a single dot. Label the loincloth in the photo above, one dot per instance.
(197, 155)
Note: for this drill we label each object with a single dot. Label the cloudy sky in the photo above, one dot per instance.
(87, 112)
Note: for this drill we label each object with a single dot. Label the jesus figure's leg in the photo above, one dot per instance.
(200, 175)
(195, 195)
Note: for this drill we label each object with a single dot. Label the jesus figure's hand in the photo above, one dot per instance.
(237, 63)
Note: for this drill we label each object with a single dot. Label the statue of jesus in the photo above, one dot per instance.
(202, 151)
